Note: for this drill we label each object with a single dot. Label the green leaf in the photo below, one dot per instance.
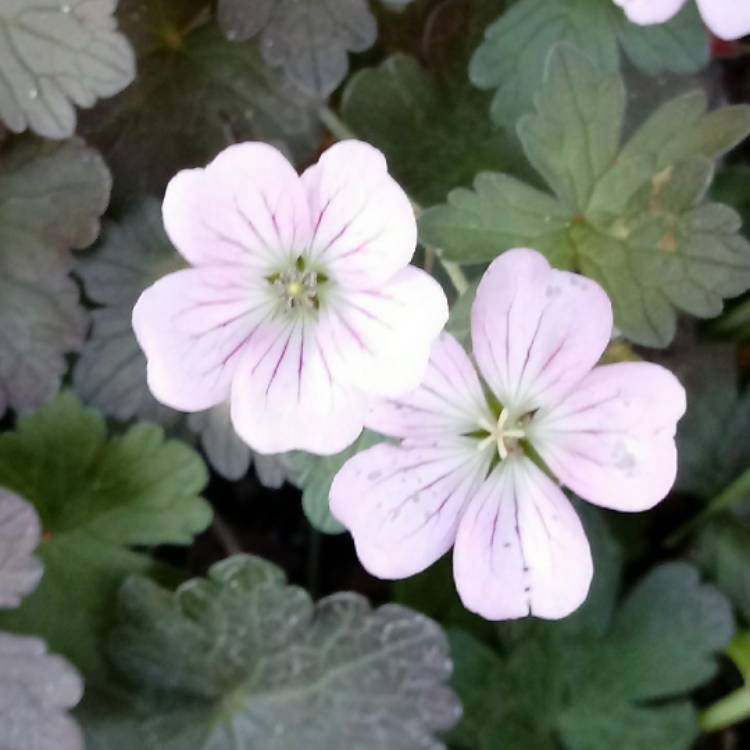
(617, 685)
(241, 659)
(130, 255)
(224, 449)
(309, 40)
(195, 95)
(633, 218)
(436, 135)
(55, 56)
(19, 535)
(37, 691)
(51, 198)
(459, 322)
(516, 45)
(712, 440)
(723, 551)
(314, 475)
(96, 498)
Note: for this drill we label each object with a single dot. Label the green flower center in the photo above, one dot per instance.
(506, 433)
(298, 286)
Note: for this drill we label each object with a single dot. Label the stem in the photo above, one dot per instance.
(226, 536)
(738, 490)
(732, 709)
(338, 128)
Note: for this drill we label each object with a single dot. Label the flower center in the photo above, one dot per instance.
(506, 433)
(298, 286)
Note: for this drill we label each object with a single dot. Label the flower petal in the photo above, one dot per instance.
(728, 19)
(380, 339)
(647, 12)
(364, 228)
(449, 400)
(536, 331)
(612, 439)
(285, 397)
(521, 549)
(402, 504)
(248, 206)
(193, 326)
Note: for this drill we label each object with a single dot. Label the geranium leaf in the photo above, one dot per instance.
(314, 475)
(130, 255)
(435, 136)
(95, 498)
(242, 659)
(511, 59)
(616, 685)
(55, 56)
(633, 218)
(51, 198)
(37, 690)
(19, 535)
(224, 450)
(194, 95)
(310, 40)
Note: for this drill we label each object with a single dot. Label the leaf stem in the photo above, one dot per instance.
(338, 128)
(729, 496)
(735, 707)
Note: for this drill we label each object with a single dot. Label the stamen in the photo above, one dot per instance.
(505, 439)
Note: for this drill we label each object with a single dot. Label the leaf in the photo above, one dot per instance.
(37, 690)
(19, 535)
(314, 475)
(436, 136)
(631, 217)
(723, 551)
(224, 449)
(712, 436)
(55, 56)
(310, 40)
(511, 59)
(195, 94)
(241, 659)
(51, 198)
(620, 684)
(130, 255)
(96, 498)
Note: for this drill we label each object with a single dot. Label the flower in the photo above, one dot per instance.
(300, 306)
(727, 19)
(472, 470)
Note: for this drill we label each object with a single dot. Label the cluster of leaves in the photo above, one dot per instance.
(516, 131)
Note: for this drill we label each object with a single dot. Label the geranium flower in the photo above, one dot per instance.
(727, 19)
(301, 305)
(473, 468)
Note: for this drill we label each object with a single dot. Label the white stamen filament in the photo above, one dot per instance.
(499, 434)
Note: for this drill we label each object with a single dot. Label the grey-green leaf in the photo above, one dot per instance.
(314, 475)
(56, 55)
(309, 39)
(131, 254)
(37, 690)
(435, 134)
(224, 449)
(20, 572)
(51, 198)
(512, 57)
(241, 659)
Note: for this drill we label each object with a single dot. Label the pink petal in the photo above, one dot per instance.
(364, 226)
(449, 400)
(380, 338)
(646, 12)
(194, 326)
(728, 19)
(612, 440)
(536, 331)
(285, 396)
(520, 548)
(402, 504)
(246, 207)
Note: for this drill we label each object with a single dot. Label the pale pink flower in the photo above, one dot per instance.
(464, 474)
(300, 306)
(727, 19)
